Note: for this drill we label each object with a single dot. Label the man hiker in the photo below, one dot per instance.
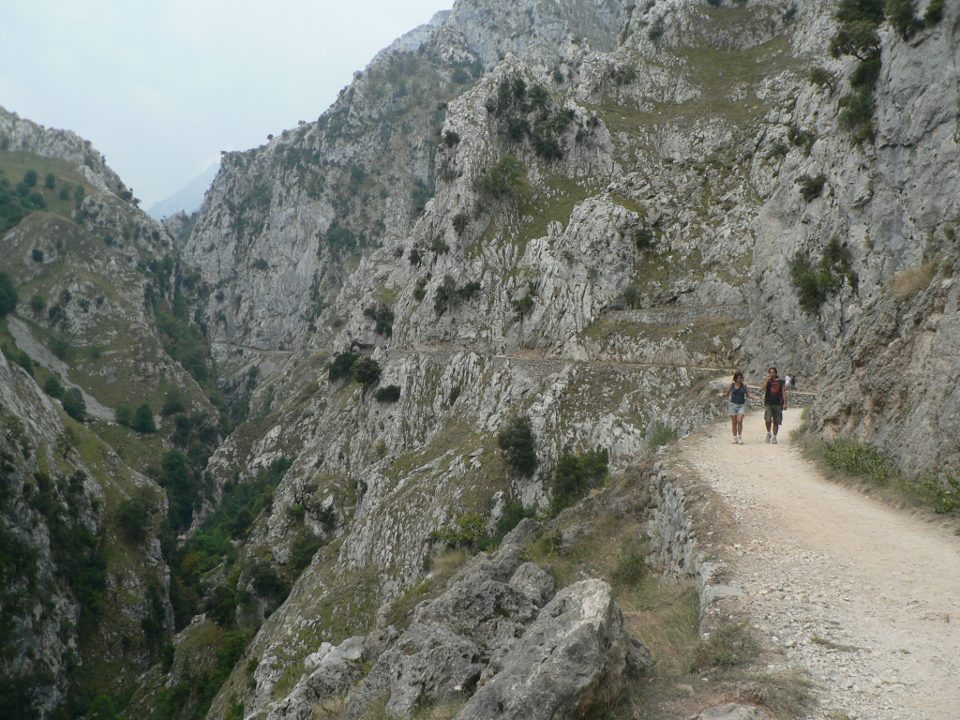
(774, 403)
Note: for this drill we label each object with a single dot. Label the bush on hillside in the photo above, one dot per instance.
(74, 404)
(143, 421)
(575, 475)
(8, 295)
(367, 371)
(518, 444)
(53, 387)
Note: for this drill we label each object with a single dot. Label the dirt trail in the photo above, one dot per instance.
(864, 597)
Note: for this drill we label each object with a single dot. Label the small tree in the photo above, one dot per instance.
(53, 387)
(123, 414)
(518, 443)
(8, 295)
(367, 372)
(50, 181)
(30, 178)
(133, 517)
(143, 421)
(37, 255)
(37, 303)
(74, 404)
(341, 366)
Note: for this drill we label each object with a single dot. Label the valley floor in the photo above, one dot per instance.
(862, 596)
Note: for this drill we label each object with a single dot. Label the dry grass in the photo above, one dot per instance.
(330, 709)
(827, 643)
(728, 646)
(909, 282)
(665, 616)
(787, 694)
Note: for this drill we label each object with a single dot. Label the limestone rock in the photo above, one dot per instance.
(571, 659)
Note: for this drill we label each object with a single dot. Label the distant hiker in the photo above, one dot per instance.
(737, 395)
(774, 403)
(786, 380)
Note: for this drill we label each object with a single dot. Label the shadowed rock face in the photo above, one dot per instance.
(573, 657)
(498, 627)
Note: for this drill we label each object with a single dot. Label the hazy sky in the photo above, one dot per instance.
(161, 87)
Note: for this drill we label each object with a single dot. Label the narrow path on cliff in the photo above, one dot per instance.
(863, 596)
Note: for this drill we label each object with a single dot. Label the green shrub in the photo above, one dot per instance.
(823, 78)
(860, 459)
(8, 295)
(30, 178)
(74, 404)
(575, 475)
(856, 114)
(134, 518)
(143, 421)
(382, 317)
(902, 14)
(470, 532)
(513, 513)
(811, 187)
(631, 568)
(451, 137)
(803, 139)
(37, 255)
(38, 303)
(25, 361)
(302, 550)
(367, 371)
(388, 394)
(728, 646)
(341, 366)
(172, 404)
(53, 387)
(123, 414)
(934, 13)
(505, 180)
(815, 283)
(518, 444)
(660, 434)
(420, 290)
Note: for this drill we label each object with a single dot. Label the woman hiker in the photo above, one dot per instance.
(737, 396)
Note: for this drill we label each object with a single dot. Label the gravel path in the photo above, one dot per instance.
(864, 597)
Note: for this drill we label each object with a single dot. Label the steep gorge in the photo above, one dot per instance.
(577, 213)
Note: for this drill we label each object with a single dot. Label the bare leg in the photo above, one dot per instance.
(733, 424)
(739, 424)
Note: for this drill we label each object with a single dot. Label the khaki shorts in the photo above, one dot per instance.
(773, 413)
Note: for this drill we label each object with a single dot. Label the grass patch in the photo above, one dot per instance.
(788, 694)
(935, 489)
(534, 214)
(728, 646)
(909, 282)
(665, 616)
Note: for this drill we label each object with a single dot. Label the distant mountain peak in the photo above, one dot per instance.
(187, 199)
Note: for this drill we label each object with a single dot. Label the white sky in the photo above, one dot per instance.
(161, 87)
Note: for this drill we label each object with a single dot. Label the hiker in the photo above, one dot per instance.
(774, 403)
(737, 396)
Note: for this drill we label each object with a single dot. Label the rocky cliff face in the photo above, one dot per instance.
(622, 184)
(85, 585)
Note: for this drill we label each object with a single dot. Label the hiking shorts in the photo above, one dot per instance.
(773, 413)
(734, 409)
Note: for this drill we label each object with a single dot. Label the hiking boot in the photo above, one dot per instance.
(769, 436)
(734, 439)
(739, 439)
(773, 440)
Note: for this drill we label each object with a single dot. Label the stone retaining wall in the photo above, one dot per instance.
(674, 547)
